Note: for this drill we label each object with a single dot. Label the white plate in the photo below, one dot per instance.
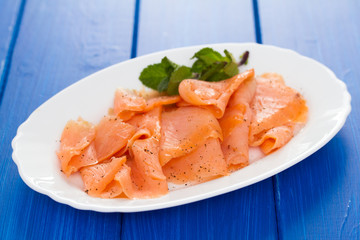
(37, 138)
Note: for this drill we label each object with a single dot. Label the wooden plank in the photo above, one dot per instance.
(59, 43)
(247, 213)
(11, 14)
(320, 197)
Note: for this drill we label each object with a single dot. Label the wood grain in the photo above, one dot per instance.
(319, 198)
(59, 43)
(244, 214)
(11, 15)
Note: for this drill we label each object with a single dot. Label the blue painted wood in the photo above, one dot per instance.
(11, 14)
(244, 214)
(320, 197)
(59, 42)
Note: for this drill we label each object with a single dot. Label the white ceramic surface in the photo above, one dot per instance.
(37, 138)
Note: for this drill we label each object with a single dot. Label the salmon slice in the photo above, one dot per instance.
(96, 178)
(147, 125)
(275, 105)
(149, 121)
(136, 184)
(235, 125)
(212, 95)
(160, 101)
(87, 157)
(112, 190)
(146, 155)
(203, 164)
(275, 138)
(76, 136)
(183, 129)
(112, 135)
(126, 103)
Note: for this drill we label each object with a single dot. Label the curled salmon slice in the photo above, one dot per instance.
(76, 136)
(183, 129)
(149, 121)
(275, 138)
(212, 95)
(97, 178)
(136, 184)
(145, 150)
(161, 101)
(128, 103)
(112, 135)
(275, 105)
(235, 125)
(205, 163)
(87, 157)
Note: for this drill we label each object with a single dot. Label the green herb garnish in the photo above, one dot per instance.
(209, 65)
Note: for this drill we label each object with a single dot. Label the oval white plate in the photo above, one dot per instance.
(37, 138)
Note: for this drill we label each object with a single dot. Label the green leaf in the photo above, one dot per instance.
(163, 85)
(229, 56)
(169, 65)
(198, 66)
(153, 75)
(209, 56)
(216, 67)
(218, 77)
(177, 76)
(231, 69)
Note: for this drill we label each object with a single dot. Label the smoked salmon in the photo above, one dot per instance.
(205, 163)
(206, 132)
(76, 136)
(235, 125)
(212, 95)
(96, 178)
(183, 129)
(275, 105)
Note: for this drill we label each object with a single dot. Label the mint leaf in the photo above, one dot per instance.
(231, 69)
(168, 65)
(209, 56)
(214, 68)
(229, 56)
(198, 66)
(163, 85)
(218, 77)
(177, 76)
(154, 75)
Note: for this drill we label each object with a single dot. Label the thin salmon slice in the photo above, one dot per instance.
(147, 125)
(96, 178)
(112, 135)
(145, 151)
(235, 125)
(212, 95)
(161, 101)
(275, 138)
(275, 105)
(87, 157)
(149, 120)
(136, 184)
(205, 163)
(146, 155)
(183, 129)
(128, 103)
(76, 136)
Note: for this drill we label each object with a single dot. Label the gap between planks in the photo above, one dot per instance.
(8, 58)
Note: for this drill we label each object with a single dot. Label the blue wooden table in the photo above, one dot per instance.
(47, 45)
